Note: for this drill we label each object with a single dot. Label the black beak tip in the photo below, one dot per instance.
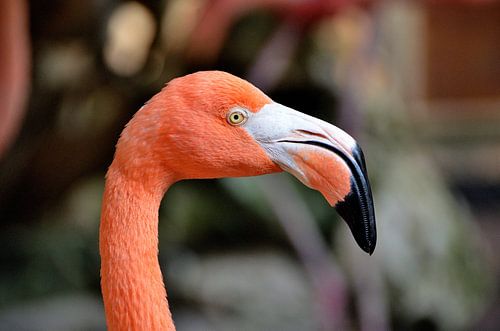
(363, 229)
(370, 248)
(357, 207)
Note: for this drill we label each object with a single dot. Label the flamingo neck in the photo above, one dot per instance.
(131, 280)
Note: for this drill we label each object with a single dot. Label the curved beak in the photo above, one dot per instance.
(324, 158)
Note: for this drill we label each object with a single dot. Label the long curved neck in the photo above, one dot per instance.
(131, 280)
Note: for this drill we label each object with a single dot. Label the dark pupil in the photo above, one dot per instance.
(236, 117)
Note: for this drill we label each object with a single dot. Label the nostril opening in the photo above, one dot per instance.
(310, 133)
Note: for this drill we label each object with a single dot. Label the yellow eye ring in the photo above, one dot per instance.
(237, 117)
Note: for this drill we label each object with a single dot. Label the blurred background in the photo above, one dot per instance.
(417, 83)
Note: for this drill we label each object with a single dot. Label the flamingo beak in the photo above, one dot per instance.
(324, 158)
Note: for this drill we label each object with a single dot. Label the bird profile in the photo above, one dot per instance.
(211, 124)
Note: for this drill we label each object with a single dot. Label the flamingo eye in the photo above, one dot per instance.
(237, 117)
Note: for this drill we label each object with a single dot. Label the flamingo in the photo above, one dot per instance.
(211, 124)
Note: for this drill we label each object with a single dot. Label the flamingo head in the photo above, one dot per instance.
(212, 124)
